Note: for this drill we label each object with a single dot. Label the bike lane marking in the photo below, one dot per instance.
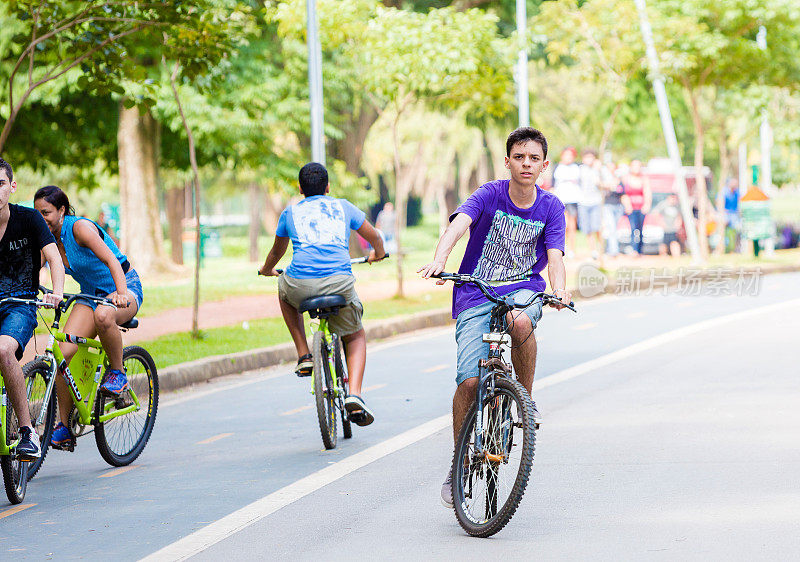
(119, 471)
(436, 368)
(223, 528)
(215, 438)
(16, 509)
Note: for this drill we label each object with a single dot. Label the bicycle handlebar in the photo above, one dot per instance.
(31, 302)
(353, 261)
(486, 289)
(69, 298)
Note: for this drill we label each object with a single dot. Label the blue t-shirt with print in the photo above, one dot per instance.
(319, 227)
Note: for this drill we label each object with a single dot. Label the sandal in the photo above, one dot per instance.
(304, 366)
(357, 411)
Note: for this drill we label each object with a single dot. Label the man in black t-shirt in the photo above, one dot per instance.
(24, 237)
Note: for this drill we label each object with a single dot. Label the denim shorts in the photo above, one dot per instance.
(472, 323)
(18, 321)
(134, 286)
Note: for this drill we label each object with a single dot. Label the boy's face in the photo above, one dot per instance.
(7, 187)
(526, 162)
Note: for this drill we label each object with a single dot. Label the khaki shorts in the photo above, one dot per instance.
(348, 321)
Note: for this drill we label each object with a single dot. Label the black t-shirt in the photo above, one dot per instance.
(20, 247)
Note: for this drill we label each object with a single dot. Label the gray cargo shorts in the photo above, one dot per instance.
(348, 321)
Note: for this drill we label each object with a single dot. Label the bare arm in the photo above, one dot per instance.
(457, 228)
(86, 235)
(53, 258)
(279, 247)
(371, 235)
(557, 274)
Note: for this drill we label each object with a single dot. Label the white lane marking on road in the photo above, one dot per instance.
(119, 471)
(214, 438)
(296, 410)
(655, 342)
(210, 535)
(16, 509)
(639, 314)
(436, 368)
(587, 326)
(684, 304)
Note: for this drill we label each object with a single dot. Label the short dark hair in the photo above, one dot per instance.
(313, 179)
(7, 168)
(524, 134)
(55, 196)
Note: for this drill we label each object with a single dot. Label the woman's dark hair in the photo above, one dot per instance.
(313, 179)
(525, 134)
(56, 197)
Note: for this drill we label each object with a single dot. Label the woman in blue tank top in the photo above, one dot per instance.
(93, 259)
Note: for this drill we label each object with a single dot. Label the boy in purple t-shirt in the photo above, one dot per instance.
(516, 229)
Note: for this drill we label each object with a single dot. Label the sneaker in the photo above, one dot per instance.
(304, 366)
(537, 417)
(357, 411)
(62, 436)
(115, 383)
(28, 448)
(447, 490)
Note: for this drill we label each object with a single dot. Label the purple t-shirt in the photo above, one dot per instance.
(506, 242)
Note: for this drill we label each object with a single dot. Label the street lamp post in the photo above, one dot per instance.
(522, 66)
(669, 131)
(315, 83)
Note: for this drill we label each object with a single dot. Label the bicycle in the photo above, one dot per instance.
(122, 425)
(489, 442)
(329, 379)
(15, 470)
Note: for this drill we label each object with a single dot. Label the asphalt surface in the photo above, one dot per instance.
(687, 449)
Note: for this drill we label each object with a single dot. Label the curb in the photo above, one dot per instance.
(203, 370)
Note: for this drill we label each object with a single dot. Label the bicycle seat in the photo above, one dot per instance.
(130, 324)
(323, 306)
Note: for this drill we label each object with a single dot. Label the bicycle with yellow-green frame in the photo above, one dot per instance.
(122, 425)
(15, 470)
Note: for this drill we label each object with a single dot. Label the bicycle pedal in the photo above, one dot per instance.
(357, 417)
(303, 374)
(69, 446)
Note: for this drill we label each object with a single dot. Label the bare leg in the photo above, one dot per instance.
(675, 248)
(523, 355)
(15, 382)
(355, 347)
(296, 326)
(463, 400)
(107, 330)
(79, 323)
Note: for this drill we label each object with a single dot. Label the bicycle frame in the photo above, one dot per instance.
(5, 448)
(323, 327)
(89, 360)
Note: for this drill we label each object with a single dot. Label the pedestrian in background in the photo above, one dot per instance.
(590, 202)
(567, 187)
(636, 200)
(612, 206)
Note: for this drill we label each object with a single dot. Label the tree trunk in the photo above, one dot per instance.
(175, 215)
(724, 169)
(351, 146)
(700, 192)
(141, 234)
(255, 219)
(488, 155)
(607, 128)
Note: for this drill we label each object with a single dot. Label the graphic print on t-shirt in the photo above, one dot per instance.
(18, 266)
(509, 250)
(320, 222)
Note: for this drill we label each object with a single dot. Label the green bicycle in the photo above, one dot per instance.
(15, 471)
(122, 425)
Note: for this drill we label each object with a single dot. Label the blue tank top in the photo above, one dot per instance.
(85, 267)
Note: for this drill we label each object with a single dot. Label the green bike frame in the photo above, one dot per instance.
(323, 327)
(83, 377)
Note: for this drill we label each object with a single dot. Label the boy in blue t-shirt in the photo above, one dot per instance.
(319, 229)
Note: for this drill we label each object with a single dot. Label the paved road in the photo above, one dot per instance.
(684, 448)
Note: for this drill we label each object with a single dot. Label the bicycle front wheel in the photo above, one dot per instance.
(344, 386)
(122, 439)
(323, 391)
(37, 375)
(15, 471)
(488, 482)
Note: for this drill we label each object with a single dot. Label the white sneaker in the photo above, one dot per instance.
(447, 490)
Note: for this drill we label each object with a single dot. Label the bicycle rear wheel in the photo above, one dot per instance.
(488, 484)
(121, 440)
(37, 375)
(323, 391)
(344, 385)
(15, 471)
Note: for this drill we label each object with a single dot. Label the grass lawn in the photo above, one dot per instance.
(179, 348)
